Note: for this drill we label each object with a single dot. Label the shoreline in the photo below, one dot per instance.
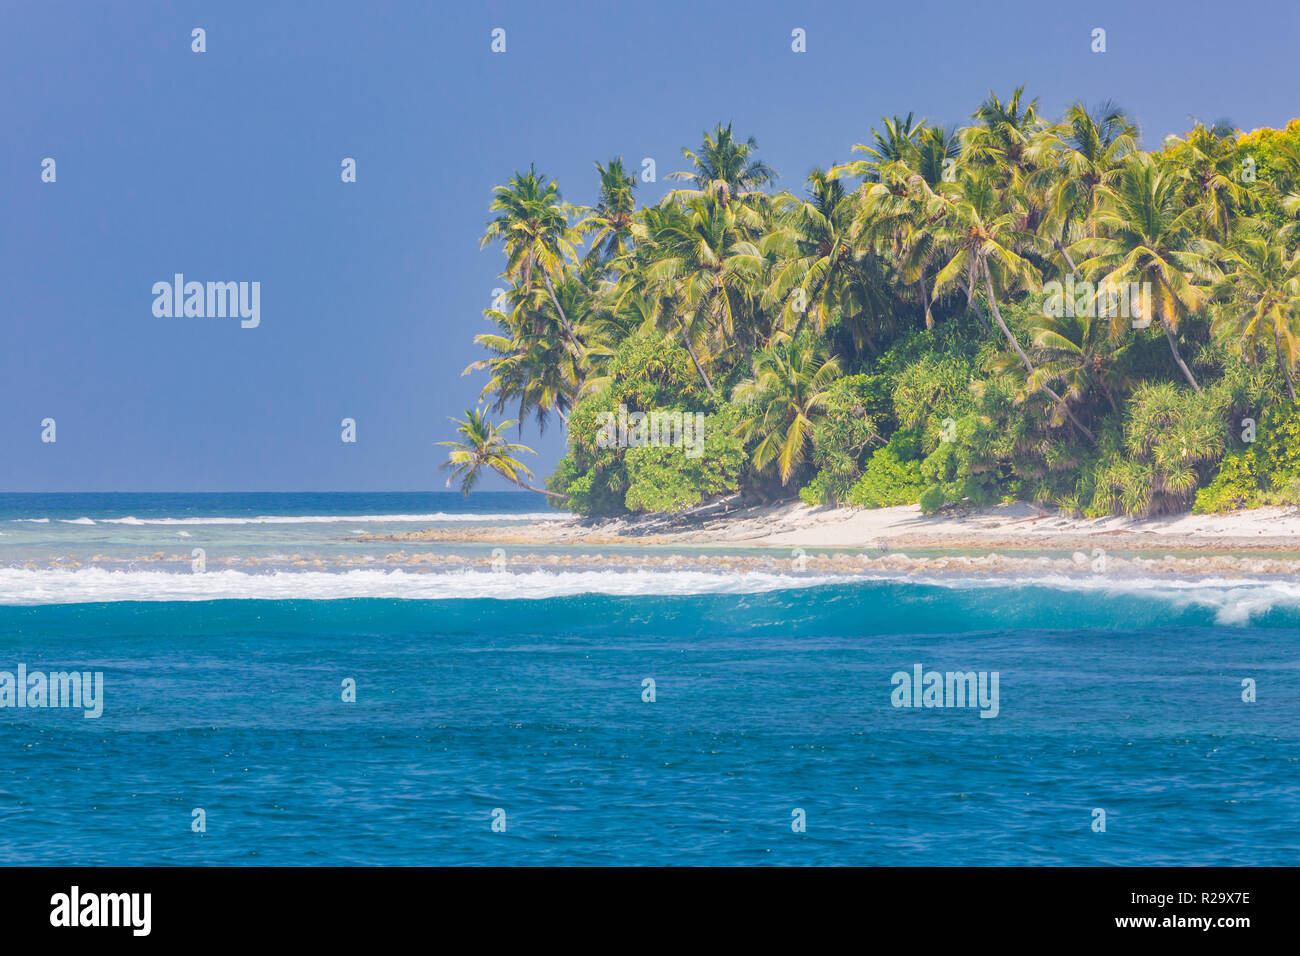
(1001, 529)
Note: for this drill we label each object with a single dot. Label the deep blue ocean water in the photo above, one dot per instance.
(766, 701)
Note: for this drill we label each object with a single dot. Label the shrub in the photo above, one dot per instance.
(893, 475)
(667, 479)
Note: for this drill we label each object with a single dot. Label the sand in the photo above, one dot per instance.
(1003, 528)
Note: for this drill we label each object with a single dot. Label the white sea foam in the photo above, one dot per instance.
(67, 586)
(438, 517)
(1233, 601)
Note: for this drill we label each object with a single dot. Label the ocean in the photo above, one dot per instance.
(302, 698)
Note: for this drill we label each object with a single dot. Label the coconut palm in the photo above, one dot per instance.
(610, 223)
(1003, 137)
(895, 207)
(1087, 151)
(1206, 165)
(784, 398)
(656, 230)
(533, 223)
(529, 362)
(820, 269)
(1078, 355)
(981, 231)
(482, 446)
(1266, 283)
(707, 264)
(725, 167)
(1149, 235)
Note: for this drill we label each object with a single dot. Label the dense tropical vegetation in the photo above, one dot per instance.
(933, 321)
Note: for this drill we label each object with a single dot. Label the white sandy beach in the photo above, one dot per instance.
(1007, 527)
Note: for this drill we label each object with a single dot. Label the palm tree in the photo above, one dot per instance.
(1004, 135)
(1267, 283)
(1206, 164)
(709, 267)
(484, 447)
(895, 206)
(981, 231)
(820, 268)
(1087, 152)
(529, 361)
(611, 220)
(533, 224)
(786, 396)
(725, 167)
(1149, 235)
(1079, 353)
(897, 144)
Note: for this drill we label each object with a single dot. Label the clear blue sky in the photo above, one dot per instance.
(225, 166)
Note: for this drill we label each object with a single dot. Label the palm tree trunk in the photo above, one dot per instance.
(871, 343)
(690, 350)
(972, 304)
(564, 319)
(541, 491)
(1173, 347)
(1286, 366)
(925, 300)
(1029, 366)
(1065, 252)
(1109, 397)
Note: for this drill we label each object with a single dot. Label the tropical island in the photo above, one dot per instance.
(1022, 312)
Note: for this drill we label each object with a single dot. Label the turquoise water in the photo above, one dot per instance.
(770, 696)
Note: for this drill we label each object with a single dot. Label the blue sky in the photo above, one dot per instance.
(225, 166)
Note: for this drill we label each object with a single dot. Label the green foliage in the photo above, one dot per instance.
(668, 479)
(604, 478)
(1263, 472)
(1237, 485)
(884, 337)
(893, 475)
(1171, 440)
(841, 440)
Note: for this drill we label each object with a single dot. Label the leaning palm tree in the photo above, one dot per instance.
(785, 398)
(530, 362)
(1087, 151)
(981, 231)
(1266, 282)
(1149, 235)
(707, 263)
(533, 224)
(482, 446)
(1079, 354)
